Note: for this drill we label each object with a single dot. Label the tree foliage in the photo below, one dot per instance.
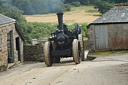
(76, 3)
(49, 6)
(38, 6)
(40, 30)
(25, 29)
(83, 28)
(91, 2)
(67, 7)
(103, 7)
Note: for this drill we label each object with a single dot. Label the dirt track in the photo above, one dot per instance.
(104, 70)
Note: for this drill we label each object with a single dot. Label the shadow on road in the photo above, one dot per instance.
(69, 61)
(90, 58)
(65, 62)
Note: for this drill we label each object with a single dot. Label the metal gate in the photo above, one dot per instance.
(101, 36)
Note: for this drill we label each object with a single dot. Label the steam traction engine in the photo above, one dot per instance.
(63, 44)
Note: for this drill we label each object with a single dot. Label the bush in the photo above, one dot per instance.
(40, 30)
(103, 6)
(67, 7)
(83, 28)
(76, 3)
(25, 29)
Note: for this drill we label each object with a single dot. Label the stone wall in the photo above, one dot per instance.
(33, 52)
(91, 38)
(4, 51)
(5, 45)
(86, 45)
(117, 37)
(21, 51)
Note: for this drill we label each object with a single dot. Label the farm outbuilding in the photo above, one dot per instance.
(110, 31)
(11, 42)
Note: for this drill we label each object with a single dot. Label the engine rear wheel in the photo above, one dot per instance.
(76, 52)
(80, 38)
(47, 57)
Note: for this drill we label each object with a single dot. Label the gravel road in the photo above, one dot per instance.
(104, 70)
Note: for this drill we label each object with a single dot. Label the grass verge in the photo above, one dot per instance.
(92, 11)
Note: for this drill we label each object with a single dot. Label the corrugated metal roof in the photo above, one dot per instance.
(116, 14)
(5, 20)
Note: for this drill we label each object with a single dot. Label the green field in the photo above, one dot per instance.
(82, 14)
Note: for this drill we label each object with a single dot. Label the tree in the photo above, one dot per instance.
(24, 5)
(103, 7)
(40, 30)
(38, 6)
(25, 29)
(77, 4)
(67, 7)
(0, 6)
(82, 2)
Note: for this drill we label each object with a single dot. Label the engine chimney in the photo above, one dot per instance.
(60, 20)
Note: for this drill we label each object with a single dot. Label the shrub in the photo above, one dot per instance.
(83, 28)
(67, 7)
(76, 3)
(40, 29)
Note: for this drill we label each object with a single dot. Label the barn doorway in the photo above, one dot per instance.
(10, 47)
(101, 36)
(18, 48)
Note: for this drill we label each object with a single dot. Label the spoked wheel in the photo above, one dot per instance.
(47, 57)
(80, 38)
(76, 52)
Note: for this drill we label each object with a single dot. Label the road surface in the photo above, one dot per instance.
(104, 70)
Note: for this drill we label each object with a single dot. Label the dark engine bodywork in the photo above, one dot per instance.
(62, 39)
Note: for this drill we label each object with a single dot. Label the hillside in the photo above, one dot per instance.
(82, 14)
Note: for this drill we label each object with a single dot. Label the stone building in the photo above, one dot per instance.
(110, 31)
(11, 42)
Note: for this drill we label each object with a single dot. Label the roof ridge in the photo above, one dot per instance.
(5, 19)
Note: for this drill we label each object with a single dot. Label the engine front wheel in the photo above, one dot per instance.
(76, 51)
(47, 57)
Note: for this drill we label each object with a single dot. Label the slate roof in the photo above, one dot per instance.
(118, 14)
(6, 20)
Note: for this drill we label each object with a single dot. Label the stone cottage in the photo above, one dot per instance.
(11, 42)
(110, 31)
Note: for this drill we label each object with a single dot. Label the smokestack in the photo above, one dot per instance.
(60, 20)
